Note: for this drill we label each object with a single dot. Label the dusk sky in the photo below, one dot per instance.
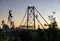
(18, 7)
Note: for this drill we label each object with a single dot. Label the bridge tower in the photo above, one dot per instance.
(30, 16)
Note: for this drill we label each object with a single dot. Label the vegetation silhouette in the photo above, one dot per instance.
(17, 34)
(50, 34)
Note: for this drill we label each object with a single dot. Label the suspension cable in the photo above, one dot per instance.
(23, 19)
(40, 23)
(42, 17)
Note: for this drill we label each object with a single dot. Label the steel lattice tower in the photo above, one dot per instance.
(30, 16)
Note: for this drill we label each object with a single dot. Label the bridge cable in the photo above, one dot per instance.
(42, 17)
(23, 19)
(40, 23)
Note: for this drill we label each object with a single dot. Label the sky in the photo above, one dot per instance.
(18, 7)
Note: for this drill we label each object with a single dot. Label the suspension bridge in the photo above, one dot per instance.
(31, 16)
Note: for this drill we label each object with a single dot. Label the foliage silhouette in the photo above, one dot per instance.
(50, 34)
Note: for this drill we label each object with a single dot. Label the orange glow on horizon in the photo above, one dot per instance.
(17, 23)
